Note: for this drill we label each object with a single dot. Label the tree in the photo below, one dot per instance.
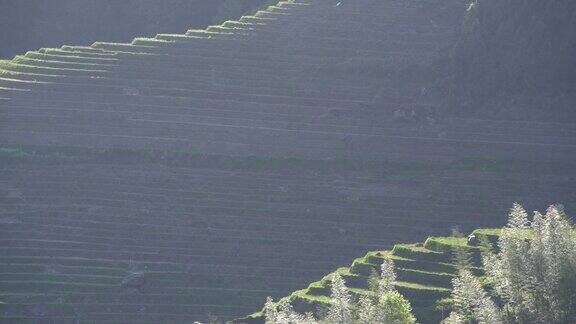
(384, 305)
(388, 306)
(387, 277)
(271, 315)
(533, 274)
(454, 318)
(471, 302)
(395, 309)
(341, 309)
(367, 310)
(283, 313)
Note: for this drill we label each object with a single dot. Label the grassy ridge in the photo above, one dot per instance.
(424, 270)
(110, 20)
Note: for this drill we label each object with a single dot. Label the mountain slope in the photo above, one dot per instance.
(425, 271)
(228, 164)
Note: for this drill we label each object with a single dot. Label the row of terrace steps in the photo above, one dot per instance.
(228, 131)
(266, 44)
(234, 81)
(425, 272)
(70, 229)
(128, 99)
(209, 239)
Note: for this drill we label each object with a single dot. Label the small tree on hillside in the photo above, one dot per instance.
(340, 311)
(388, 306)
(395, 309)
(384, 305)
(283, 313)
(271, 315)
(387, 277)
(471, 301)
(367, 310)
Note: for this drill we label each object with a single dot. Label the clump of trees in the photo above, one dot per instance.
(383, 305)
(530, 274)
(529, 277)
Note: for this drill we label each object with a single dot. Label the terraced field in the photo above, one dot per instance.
(246, 160)
(425, 272)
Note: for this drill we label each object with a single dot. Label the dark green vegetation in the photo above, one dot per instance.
(246, 160)
(39, 23)
(425, 273)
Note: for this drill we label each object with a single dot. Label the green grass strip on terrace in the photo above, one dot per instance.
(54, 68)
(25, 60)
(13, 89)
(417, 286)
(447, 244)
(210, 30)
(71, 54)
(37, 55)
(425, 296)
(495, 232)
(147, 40)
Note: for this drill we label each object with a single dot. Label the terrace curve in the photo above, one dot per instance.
(424, 270)
(245, 160)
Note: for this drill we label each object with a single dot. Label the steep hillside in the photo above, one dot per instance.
(517, 56)
(190, 175)
(37, 23)
(425, 271)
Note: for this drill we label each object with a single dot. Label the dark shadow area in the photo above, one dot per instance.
(190, 175)
(515, 57)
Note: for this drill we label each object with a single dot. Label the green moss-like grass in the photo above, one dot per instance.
(425, 272)
(4, 63)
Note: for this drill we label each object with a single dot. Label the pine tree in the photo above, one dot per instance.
(389, 306)
(283, 313)
(518, 217)
(367, 310)
(383, 305)
(512, 270)
(551, 251)
(340, 311)
(454, 318)
(471, 301)
(534, 273)
(387, 277)
(271, 315)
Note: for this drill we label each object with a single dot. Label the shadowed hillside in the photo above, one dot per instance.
(517, 56)
(37, 23)
(190, 175)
